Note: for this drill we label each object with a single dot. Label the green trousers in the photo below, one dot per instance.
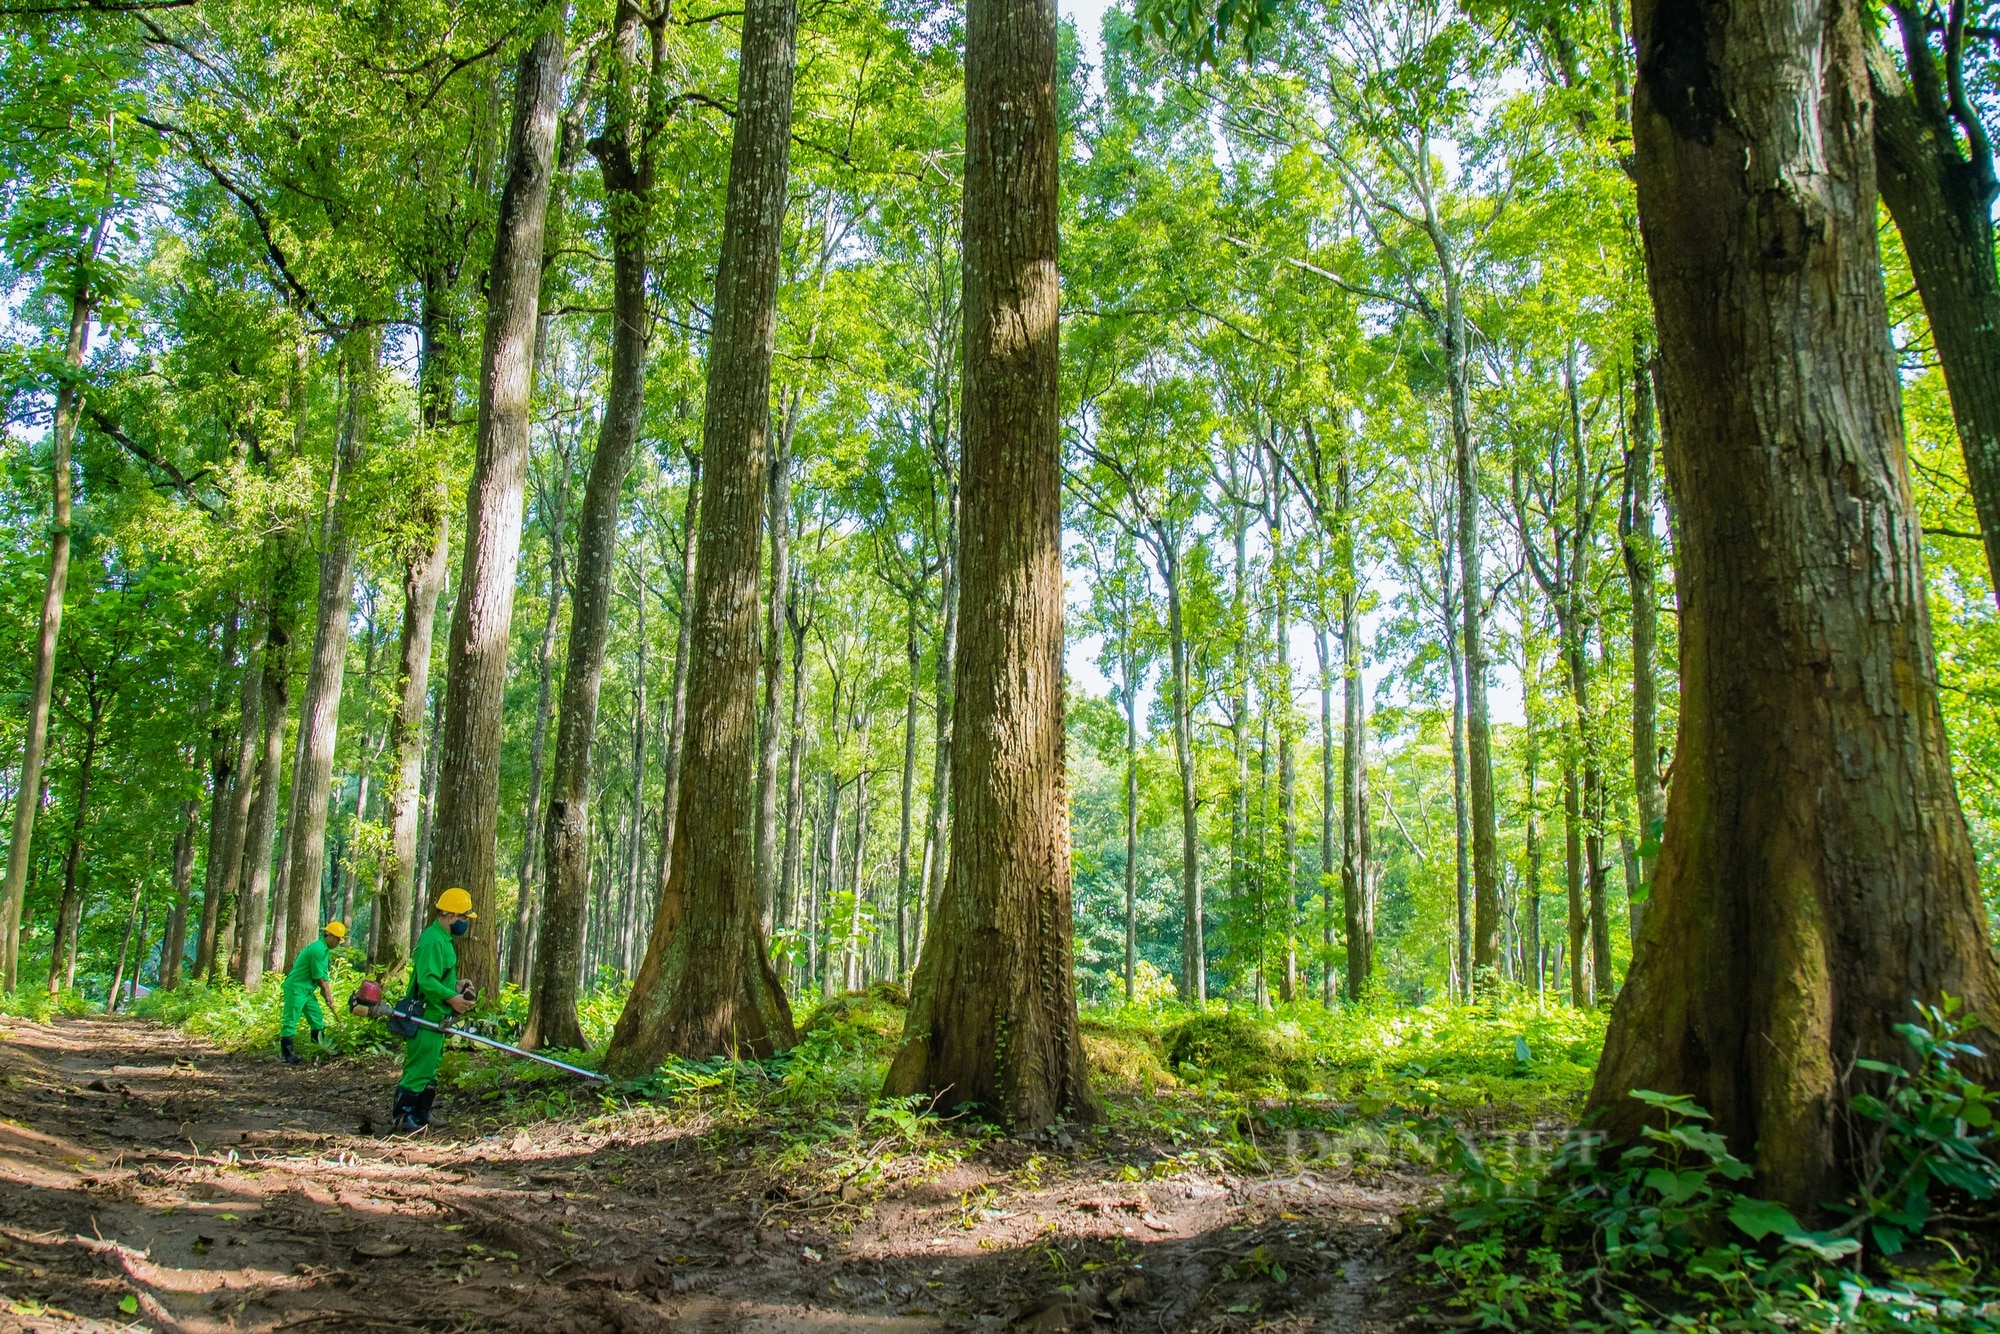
(301, 999)
(421, 1055)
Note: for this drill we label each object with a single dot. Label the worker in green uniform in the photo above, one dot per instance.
(434, 981)
(308, 974)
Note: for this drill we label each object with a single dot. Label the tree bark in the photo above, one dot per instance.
(993, 1017)
(125, 950)
(1941, 195)
(622, 155)
(1816, 874)
(706, 985)
(524, 906)
(914, 656)
(319, 707)
(62, 433)
(788, 889)
(1131, 693)
(468, 798)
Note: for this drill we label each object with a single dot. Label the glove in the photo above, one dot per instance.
(467, 990)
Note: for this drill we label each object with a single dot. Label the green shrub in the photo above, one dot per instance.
(35, 1003)
(1238, 1052)
(1661, 1234)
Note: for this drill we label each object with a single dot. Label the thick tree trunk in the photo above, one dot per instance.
(258, 846)
(993, 1017)
(622, 154)
(524, 906)
(1577, 921)
(1941, 196)
(945, 677)
(1640, 547)
(468, 798)
(319, 707)
(706, 986)
(788, 887)
(1462, 821)
(62, 433)
(1816, 874)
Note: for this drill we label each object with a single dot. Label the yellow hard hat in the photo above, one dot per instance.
(336, 930)
(456, 900)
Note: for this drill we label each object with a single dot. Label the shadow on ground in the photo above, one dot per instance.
(150, 1182)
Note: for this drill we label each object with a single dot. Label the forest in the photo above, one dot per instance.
(1135, 569)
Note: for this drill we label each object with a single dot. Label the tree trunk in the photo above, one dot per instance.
(1194, 950)
(1478, 723)
(788, 888)
(622, 155)
(226, 881)
(1941, 196)
(1357, 898)
(263, 827)
(319, 707)
(769, 740)
(914, 655)
(524, 905)
(706, 986)
(993, 1016)
(174, 942)
(1531, 889)
(219, 787)
(1131, 692)
(1816, 874)
(468, 797)
(670, 783)
(1462, 818)
(62, 433)
(423, 581)
(69, 911)
(1640, 547)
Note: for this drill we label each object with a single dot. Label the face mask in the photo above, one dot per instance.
(460, 927)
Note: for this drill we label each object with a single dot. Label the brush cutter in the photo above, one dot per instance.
(495, 1042)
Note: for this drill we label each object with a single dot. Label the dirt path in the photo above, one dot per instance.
(150, 1182)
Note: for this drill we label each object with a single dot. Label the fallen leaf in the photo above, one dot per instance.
(380, 1250)
(129, 1304)
(1154, 1223)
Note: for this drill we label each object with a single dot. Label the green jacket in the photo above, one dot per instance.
(434, 970)
(309, 969)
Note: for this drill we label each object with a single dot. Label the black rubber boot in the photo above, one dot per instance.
(403, 1116)
(317, 1040)
(285, 1050)
(424, 1101)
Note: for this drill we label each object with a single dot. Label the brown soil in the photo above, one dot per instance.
(204, 1191)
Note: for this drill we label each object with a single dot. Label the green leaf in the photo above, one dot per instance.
(1822, 1244)
(1760, 1218)
(1888, 1239)
(129, 1304)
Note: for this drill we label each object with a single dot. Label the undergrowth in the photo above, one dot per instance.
(1668, 1234)
(38, 1005)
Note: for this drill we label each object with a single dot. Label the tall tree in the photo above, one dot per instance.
(468, 800)
(625, 153)
(319, 707)
(706, 985)
(993, 1016)
(1816, 874)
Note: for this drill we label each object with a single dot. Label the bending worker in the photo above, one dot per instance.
(434, 981)
(309, 971)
